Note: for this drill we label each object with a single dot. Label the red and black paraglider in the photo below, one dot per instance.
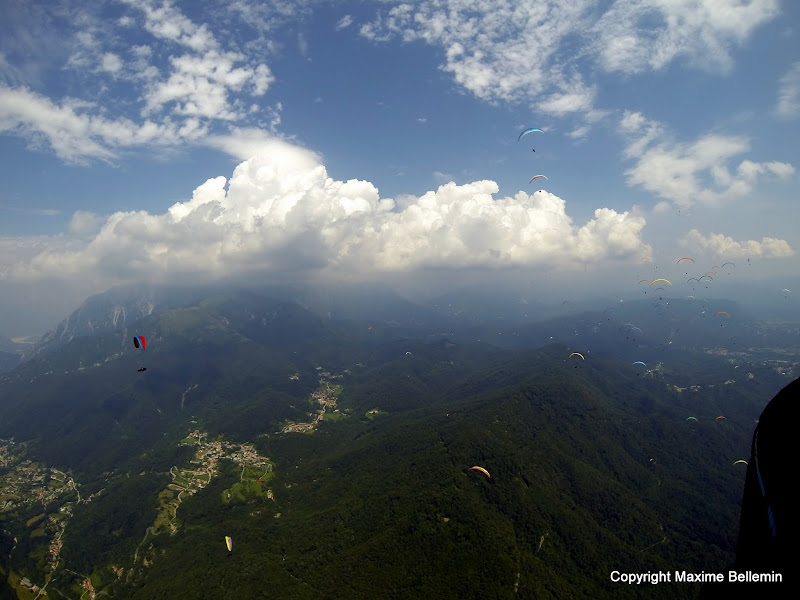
(139, 342)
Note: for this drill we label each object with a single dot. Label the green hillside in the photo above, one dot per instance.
(338, 456)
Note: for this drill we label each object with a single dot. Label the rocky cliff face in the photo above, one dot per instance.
(112, 310)
(121, 307)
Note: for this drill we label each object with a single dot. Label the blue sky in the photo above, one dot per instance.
(378, 141)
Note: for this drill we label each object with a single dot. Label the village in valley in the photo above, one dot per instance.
(25, 484)
(323, 400)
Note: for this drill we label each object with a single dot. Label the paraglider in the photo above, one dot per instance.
(529, 130)
(728, 263)
(577, 354)
(721, 312)
(537, 177)
(643, 280)
(638, 362)
(138, 342)
(657, 280)
(482, 470)
(229, 543)
(719, 417)
(740, 461)
(691, 419)
(686, 258)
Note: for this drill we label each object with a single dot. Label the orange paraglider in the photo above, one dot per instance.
(482, 470)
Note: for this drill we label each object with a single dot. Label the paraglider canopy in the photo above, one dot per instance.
(537, 177)
(229, 543)
(482, 470)
(139, 342)
(576, 354)
(529, 130)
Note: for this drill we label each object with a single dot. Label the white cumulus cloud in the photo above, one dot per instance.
(84, 223)
(280, 211)
(524, 50)
(723, 245)
(164, 21)
(200, 85)
(690, 172)
(110, 63)
(73, 132)
(642, 35)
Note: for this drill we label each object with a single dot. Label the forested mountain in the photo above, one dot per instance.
(337, 454)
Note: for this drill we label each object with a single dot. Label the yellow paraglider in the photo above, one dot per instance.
(229, 543)
(740, 461)
(657, 280)
(576, 354)
(482, 470)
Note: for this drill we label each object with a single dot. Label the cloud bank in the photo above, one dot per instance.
(281, 212)
(723, 245)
